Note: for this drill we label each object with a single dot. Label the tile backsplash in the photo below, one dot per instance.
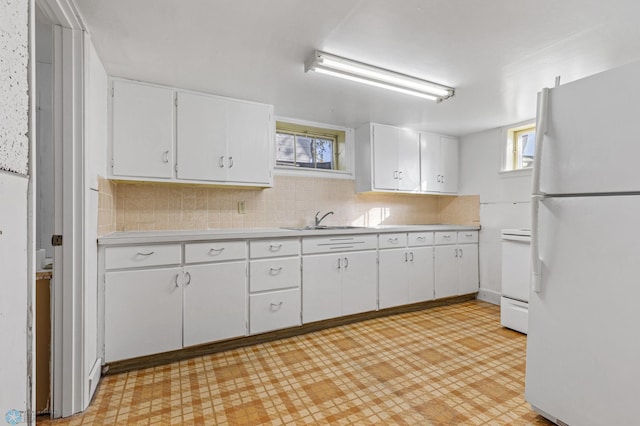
(292, 201)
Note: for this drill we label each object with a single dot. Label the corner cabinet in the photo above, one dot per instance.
(163, 134)
(438, 163)
(387, 159)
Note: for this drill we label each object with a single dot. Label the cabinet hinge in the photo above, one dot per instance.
(113, 91)
(112, 162)
(176, 167)
(176, 101)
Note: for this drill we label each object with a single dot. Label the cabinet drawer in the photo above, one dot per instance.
(467, 237)
(274, 310)
(445, 237)
(339, 243)
(215, 251)
(417, 239)
(392, 240)
(139, 256)
(273, 248)
(274, 274)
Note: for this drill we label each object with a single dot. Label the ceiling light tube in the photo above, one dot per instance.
(363, 73)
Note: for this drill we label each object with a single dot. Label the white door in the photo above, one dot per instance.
(201, 137)
(393, 285)
(587, 141)
(446, 271)
(408, 147)
(582, 356)
(249, 142)
(385, 157)
(420, 274)
(449, 164)
(143, 312)
(215, 302)
(467, 268)
(359, 283)
(321, 287)
(142, 130)
(430, 162)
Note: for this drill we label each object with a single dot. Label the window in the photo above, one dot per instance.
(304, 148)
(520, 147)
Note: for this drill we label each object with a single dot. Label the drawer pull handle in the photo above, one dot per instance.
(468, 235)
(275, 306)
(420, 238)
(275, 271)
(393, 240)
(275, 247)
(446, 236)
(214, 251)
(188, 275)
(146, 254)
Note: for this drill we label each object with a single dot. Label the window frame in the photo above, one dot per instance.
(345, 150)
(314, 135)
(510, 150)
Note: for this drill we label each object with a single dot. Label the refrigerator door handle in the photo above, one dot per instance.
(541, 130)
(536, 263)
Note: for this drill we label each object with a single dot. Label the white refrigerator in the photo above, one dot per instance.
(583, 346)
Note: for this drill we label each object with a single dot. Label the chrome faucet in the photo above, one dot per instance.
(320, 220)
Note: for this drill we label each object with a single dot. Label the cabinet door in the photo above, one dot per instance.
(430, 162)
(142, 130)
(393, 283)
(202, 137)
(449, 164)
(385, 157)
(215, 302)
(359, 282)
(143, 312)
(420, 274)
(468, 268)
(321, 287)
(249, 135)
(408, 146)
(446, 271)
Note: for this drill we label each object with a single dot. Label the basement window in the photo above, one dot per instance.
(520, 147)
(302, 148)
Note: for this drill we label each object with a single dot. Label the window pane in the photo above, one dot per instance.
(304, 153)
(527, 147)
(285, 155)
(324, 154)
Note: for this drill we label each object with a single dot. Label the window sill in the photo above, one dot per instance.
(515, 173)
(328, 174)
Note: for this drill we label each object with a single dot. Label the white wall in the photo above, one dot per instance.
(504, 201)
(14, 200)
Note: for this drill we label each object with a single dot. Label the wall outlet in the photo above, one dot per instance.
(241, 207)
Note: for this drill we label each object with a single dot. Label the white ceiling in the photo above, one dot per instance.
(497, 53)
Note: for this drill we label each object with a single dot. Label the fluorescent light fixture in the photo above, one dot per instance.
(337, 66)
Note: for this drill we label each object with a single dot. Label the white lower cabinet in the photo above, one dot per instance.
(456, 263)
(338, 284)
(215, 305)
(143, 312)
(274, 310)
(405, 274)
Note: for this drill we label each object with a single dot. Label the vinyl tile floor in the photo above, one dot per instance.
(451, 365)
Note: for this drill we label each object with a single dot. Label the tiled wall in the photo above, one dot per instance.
(293, 201)
(106, 207)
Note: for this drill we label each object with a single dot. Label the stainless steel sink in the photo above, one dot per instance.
(322, 227)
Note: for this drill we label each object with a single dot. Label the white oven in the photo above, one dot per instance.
(516, 273)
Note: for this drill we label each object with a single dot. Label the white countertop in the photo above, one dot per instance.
(147, 237)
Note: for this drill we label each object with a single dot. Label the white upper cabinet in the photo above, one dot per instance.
(439, 163)
(142, 130)
(202, 137)
(221, 139)
(216, 139)
(396, 159)
(387, 159)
